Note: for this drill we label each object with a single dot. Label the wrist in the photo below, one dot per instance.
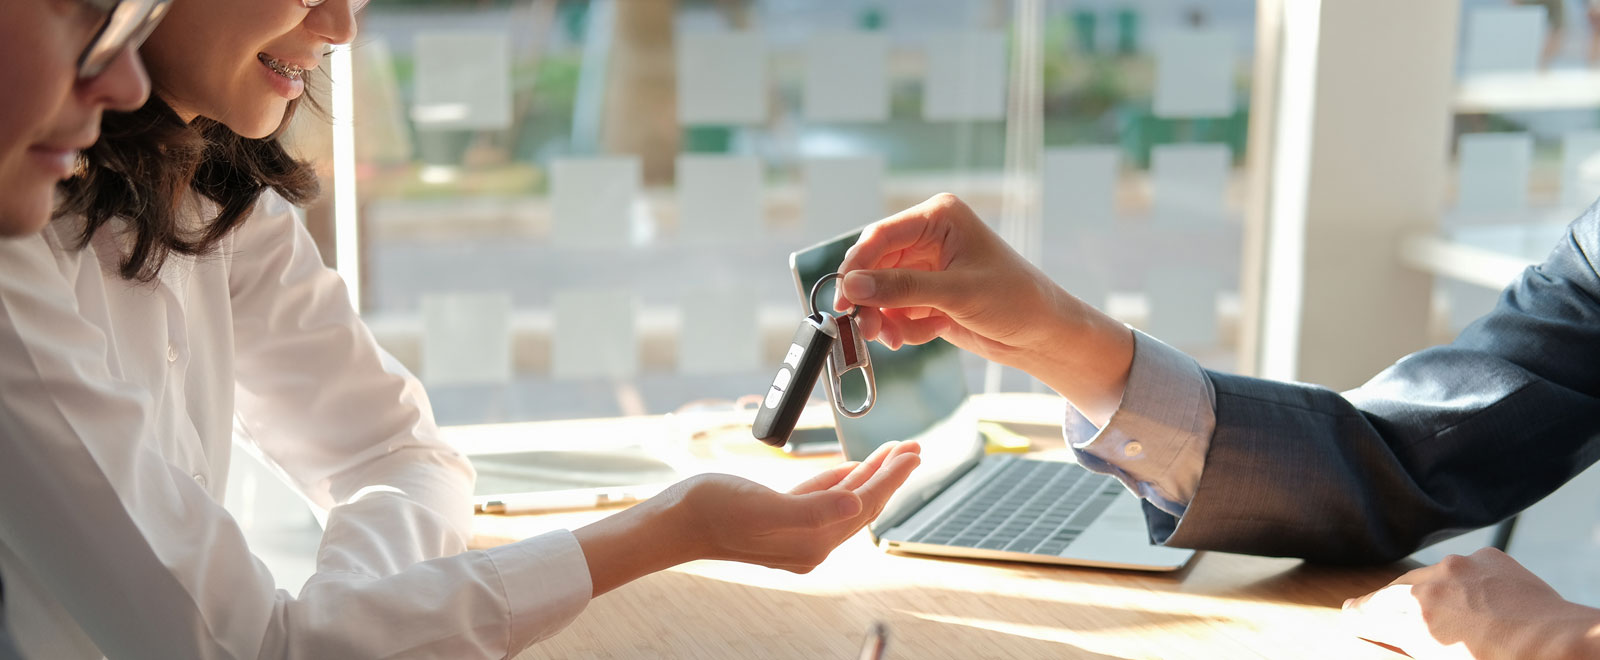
(651, 536)
(1086, 357)
(1575, 637)
(684, 538)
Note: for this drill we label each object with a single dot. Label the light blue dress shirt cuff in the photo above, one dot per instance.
(1156, 442)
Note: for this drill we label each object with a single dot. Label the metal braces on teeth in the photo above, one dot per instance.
(289, 71)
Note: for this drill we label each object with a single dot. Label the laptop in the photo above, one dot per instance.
(963, 502)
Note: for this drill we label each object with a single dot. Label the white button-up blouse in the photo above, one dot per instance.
(120, 400)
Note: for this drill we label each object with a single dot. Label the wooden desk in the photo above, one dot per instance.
(1220, 606)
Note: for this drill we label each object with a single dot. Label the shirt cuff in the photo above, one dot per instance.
(547, 585)
(1156, 442)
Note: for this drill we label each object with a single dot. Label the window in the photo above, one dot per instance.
(584, 209)
(1526, 163)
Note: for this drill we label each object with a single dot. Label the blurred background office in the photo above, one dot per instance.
(555, 209)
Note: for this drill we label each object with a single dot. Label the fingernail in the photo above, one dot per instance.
(859, 286)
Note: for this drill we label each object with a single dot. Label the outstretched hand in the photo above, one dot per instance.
(720, 516)
(739, 520)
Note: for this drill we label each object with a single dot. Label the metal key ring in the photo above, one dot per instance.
(834, 385)
(817, 288)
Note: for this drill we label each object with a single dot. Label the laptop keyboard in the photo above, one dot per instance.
(1033, 507)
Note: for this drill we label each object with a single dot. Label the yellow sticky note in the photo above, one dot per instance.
(998, 439)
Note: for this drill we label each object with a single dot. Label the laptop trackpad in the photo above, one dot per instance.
(1119, 538)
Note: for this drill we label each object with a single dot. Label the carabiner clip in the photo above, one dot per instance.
(849, 354)
(850, 345)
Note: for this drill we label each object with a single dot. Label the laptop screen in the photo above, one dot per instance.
(921, 395)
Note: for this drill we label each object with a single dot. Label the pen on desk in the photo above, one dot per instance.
(569, 500)
(877, 641)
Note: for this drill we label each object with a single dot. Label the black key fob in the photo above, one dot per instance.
(809, 350)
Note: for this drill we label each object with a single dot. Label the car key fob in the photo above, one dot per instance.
(802, 364)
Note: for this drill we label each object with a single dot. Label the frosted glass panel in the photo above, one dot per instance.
(466, 338)
(719, 198)
(842, 194)
(1194, 74)
(463, 81)
(592, 200)
(1503, 40)
(966, 77)
(722, 78)
(1188, 184)
(847, 77)
(1580, 168)
(1183, 305)
(719, 332)
(594, 335)
(651, 154)
(1494, 173)
(1079, 189)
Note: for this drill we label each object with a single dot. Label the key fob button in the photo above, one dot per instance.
(776, 394)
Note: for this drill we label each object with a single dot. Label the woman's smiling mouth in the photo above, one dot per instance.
(285, 69)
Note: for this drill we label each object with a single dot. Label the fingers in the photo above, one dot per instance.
(883, 454)
(898, 332)
(904, 287)
(894, 233)
(865, 469)
(1390, 615)
(826, 479)
(917, 237)
(869, 321)
(1415, 576)
(875, 493)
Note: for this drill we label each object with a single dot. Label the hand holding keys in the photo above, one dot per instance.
(821, 338)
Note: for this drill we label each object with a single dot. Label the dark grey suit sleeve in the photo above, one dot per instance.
(8, 651)
(1448, 439)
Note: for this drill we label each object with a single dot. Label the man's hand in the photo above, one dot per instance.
(1482, 606)
(936, 270)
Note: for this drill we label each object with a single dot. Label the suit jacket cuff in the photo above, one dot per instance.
(1156, 441)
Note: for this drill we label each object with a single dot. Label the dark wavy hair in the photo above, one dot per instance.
(146, 161)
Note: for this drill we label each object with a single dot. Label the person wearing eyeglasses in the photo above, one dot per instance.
(67, 61)
(70, 60)
(174, 302)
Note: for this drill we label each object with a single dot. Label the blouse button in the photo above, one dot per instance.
(200, 479)
(172, 353)
(1132, 449)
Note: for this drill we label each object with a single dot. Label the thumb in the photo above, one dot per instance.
(821, 508)
(898, 287)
